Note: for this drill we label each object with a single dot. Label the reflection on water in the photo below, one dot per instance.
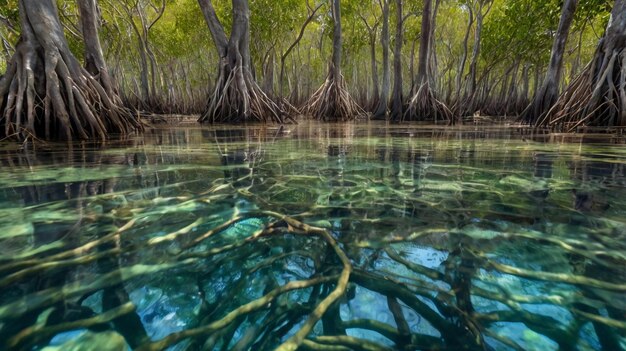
(316, 237)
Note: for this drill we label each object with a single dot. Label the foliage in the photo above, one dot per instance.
(514, 32)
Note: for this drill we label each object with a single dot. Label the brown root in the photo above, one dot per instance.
(332, 102)
(237, 98)
(597, 97)
(46, 94)
(424, 106)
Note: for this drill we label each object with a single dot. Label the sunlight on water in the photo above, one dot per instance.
(339, 237)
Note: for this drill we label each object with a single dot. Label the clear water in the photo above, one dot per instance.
(330, 237)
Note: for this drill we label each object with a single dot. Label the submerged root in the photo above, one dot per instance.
(332, 102)
(281, 276)
(424, 106)
(237, 98)
(597, 97)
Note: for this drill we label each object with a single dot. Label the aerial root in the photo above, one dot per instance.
(332, 102)
(594, 98)
(424, 106)
(238, 98)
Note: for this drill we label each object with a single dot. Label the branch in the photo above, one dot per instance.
(215, 26)
(159, 12)
(301, 34)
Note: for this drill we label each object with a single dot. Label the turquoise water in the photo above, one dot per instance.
(316, 237)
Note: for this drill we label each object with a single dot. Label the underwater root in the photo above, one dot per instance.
(291, 226)
(332, 102)
(424, 106)
(291, 307)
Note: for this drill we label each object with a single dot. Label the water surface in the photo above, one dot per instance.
(331, 237)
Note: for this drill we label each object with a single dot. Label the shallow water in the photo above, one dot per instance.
(367, 237)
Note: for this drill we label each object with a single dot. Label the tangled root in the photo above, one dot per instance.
(237, 98)
(594, 98)
(51, 97)
(332, 102)
(47, 94)
(424, 106)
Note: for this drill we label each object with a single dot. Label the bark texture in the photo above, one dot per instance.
(597, 97)
(547, 95)
(45, 92)
(237, 98)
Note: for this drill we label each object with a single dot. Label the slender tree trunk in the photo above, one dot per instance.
(549, 92)
(143, 70)
(336, 60)
(575, 66)
(374, 65)
(476, 49)
(422, 68)
(536, 79)
(94, 60)
(268, 74)
(412, 64)
(598, 96)
(332, 101)
(423, 104)
(526, 83)
(45, 92)
(432, 59)
(512, 96)
(383, 101)
(459, 77)
(396, 105)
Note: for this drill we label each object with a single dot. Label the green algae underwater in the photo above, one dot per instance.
(315, 237)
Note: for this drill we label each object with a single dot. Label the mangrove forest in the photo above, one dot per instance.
(334, 175)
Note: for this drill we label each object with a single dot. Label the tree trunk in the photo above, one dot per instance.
(476, 49)
(45, 92)
(459, 77)
(526, 83)
(237, 97)
(383, 101)
(332, 101)
(396, 105)
(268, 74)
(423, 104)
(335, 69)
(432, 59)
(94, 60)
(422, 68)
(547, 95)
(537, 79)
(598, 96)
(374, 65)
(412, 64)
